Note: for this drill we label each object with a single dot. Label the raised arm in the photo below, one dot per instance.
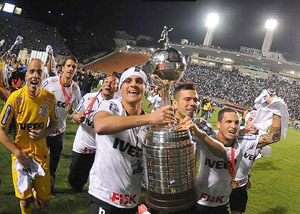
(106, 123)
(273, 135)
(214, 145)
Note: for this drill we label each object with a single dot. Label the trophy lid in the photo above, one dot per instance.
(166, 66)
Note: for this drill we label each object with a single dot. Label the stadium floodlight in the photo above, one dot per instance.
(18, 10)
(212, 20)
(271, 24)
(9, 7)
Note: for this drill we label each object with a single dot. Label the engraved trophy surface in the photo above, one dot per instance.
(169, 156)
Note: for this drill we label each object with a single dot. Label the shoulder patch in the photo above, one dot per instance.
(114, 108)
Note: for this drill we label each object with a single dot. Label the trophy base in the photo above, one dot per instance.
(171, 202)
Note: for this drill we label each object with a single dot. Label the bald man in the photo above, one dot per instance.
(30, 107)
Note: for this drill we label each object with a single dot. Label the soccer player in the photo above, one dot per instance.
(67, 94)
(31, 107)
(156, 101)
(239, 195)
(84, 146)
(116, 175)
(216, 177)
(185, 105)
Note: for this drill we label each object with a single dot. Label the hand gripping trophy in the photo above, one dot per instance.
(168, 155)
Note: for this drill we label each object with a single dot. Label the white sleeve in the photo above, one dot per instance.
(248, 141)
(81, 107)
(76, 99)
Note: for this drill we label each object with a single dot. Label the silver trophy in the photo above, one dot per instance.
(169, 156)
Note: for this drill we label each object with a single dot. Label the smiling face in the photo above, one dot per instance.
(34, 76)
(69, 69)
(228, 127)
(185, 103)
(133, 89)
(109, 87)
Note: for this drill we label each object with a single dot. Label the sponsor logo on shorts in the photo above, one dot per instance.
(101, 211)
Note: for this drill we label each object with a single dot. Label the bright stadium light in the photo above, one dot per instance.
(212, 20)
(18, 10)
(271, 24)
(9, 7)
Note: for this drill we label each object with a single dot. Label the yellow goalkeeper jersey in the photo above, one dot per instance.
(29, 113)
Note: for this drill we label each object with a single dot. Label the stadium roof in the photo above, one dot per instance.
(239, 58)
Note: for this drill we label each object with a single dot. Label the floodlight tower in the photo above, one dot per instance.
(211, 22)
(270, 26)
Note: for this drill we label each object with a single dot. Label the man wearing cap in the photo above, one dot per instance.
(115, 177)
(84, 146)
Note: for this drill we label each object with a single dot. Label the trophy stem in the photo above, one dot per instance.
(165, 95)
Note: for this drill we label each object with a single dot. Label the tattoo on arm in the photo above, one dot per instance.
(272, 136)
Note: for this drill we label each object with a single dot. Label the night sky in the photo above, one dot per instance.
(241, 21)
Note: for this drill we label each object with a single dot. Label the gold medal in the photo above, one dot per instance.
(233, 184)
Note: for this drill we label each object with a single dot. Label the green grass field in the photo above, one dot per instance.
(275, 180)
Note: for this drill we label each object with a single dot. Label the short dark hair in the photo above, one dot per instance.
(223, 111)
(72, 58)
(183, 86)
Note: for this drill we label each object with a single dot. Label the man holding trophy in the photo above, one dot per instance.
(115, 177)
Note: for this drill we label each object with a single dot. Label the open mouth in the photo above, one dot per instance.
(232, 132)
(134, 92)
(34, 82)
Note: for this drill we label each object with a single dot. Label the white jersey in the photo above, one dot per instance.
(116, 174)
(156, 102)
(53, 85)
(249, 155)
(214, 179)
(84, 141)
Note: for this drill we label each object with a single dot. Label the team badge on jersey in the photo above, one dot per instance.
(44, 110)
(114, 108)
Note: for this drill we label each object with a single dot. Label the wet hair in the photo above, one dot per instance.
(223, 111)
(183, 86)
(70, 57)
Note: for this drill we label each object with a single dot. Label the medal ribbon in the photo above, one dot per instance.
(88, 108)
(68, 96)
(232, 168)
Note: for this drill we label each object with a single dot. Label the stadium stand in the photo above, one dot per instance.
(241, 90)
(36, 35)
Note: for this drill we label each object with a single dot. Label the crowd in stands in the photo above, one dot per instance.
(235, 88)
(36, 35)
(16, 69)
